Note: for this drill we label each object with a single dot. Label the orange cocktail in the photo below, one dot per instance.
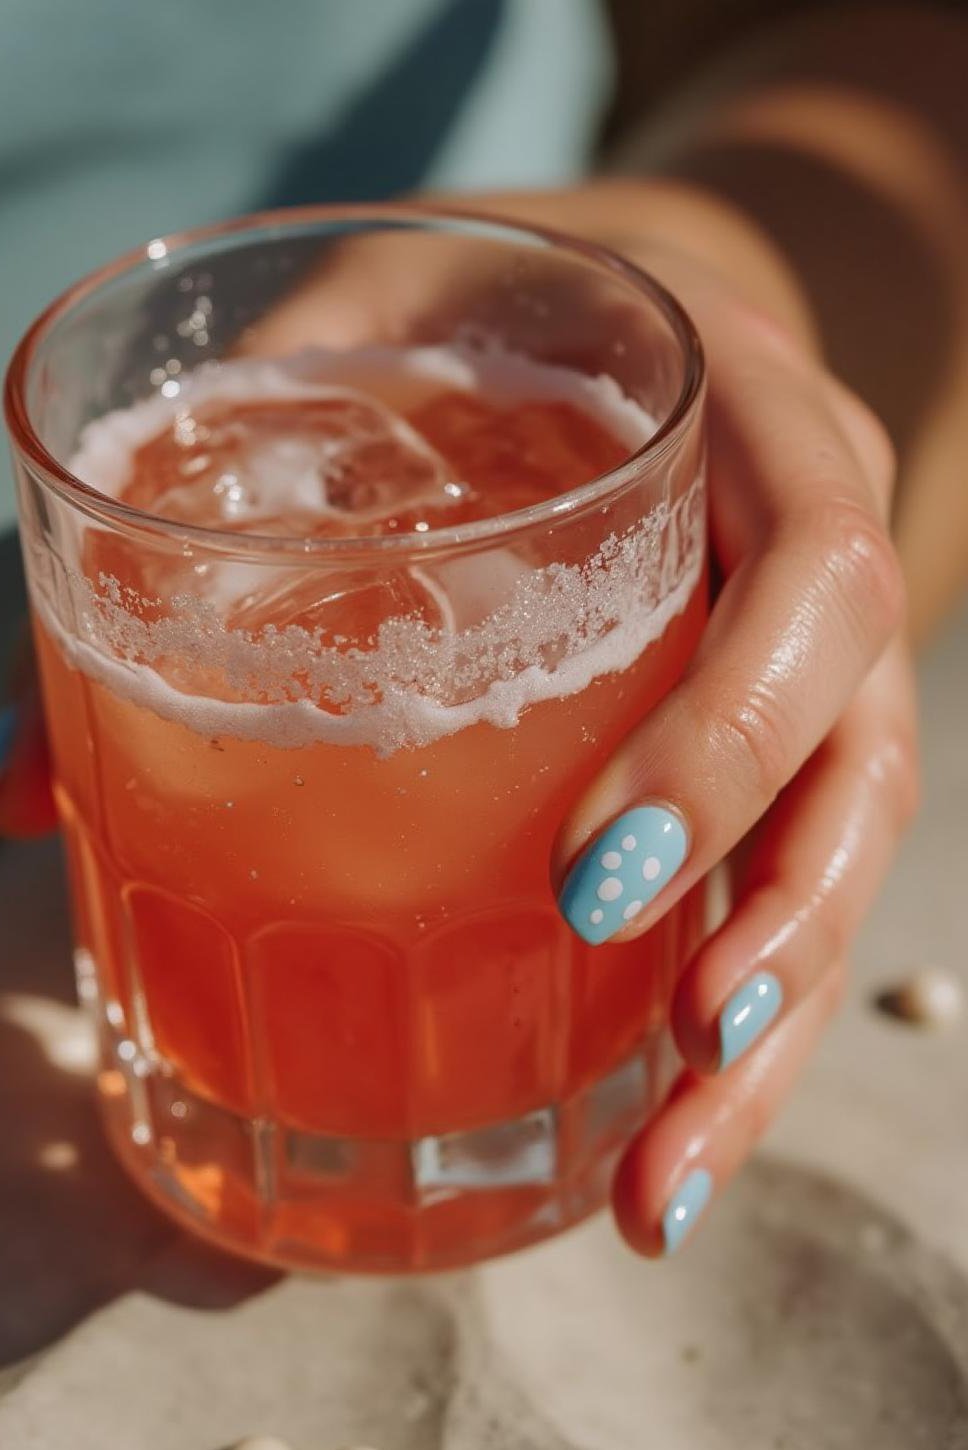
(327, 656)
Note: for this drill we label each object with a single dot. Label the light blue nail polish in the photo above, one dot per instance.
(746, 1014)
(616, 877)
(8, 728)
(684, 1207)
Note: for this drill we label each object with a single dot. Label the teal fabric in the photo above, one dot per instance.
(120, 119)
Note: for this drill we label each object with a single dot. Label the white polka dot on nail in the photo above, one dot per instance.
(610, 889)
(629, 843)
(651, 867)
(633, 909)
(597, 916)
(612, 860)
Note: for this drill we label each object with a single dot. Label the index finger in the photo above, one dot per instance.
(812, 594)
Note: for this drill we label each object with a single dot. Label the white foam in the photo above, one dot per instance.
(559, 628)
(385, 709)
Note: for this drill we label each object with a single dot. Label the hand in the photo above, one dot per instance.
(793, 730)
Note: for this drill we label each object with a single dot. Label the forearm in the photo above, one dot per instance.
(826, 170)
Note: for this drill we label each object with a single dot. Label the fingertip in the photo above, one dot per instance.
(685, 1207)
(727, 997)
(632, 1203)
(653, 1219)
(694, 1012)
(622, 870)
(746, 1015)
(711, 1042)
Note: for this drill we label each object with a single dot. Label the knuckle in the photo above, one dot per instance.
(759, 1117)
(754, 736)
(896, 766)
(832, 935)
(869, 439)
(861, 567)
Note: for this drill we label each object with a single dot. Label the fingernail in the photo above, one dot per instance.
(747, 1013)
(616, 877)
(8, 729)
(685, 1206)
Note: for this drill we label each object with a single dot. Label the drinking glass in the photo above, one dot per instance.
(309, 786)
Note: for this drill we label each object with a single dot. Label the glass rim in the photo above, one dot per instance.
(160, 251)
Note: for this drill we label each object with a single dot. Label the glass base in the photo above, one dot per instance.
(301, 1200)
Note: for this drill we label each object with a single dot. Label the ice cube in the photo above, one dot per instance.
(336, 462)
(343, 607)
(514, 456)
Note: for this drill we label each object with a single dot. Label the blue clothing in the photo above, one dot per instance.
(123, 120)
